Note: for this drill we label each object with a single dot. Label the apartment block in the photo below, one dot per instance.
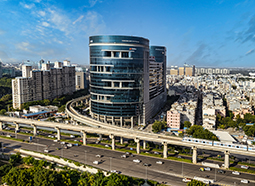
(173, 119)
(47, 83)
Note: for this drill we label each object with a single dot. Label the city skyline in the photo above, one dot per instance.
(210, 33)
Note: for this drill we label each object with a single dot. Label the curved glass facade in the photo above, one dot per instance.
(117, 74)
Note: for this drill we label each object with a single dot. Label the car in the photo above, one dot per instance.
(65, 147)
(123, 156)
(221, 171)
(69, 145)
(244, 181)
(62, 143)
(159, 162)
(147, 152)
(179, 157)
(128, 153)
(107, 145)
(207, 169)
(114, 171)
(146, 164)
(81, 141)
(236, 172)
(95, 162)
(46, 150)
(72, 136)
(9, 136)
(202, 169)
(55, 140)
(76, 144)
(137, 161)
(7, 128)
(156, 152)
(98, 156)
(245, 167)
(186, 180)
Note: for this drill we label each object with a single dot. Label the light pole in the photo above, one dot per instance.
(182, 169)
(85, 157)
(110, 163)
(215, 174)
(62, 153)
(37, 145)
(146, 170)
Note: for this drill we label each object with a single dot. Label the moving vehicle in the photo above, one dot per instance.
(202, 169)
(98, 156)
(137, 161)
(123, 156)
(72, 136)
(212, 165)
(186, 180)
(244, 181)
(62, 143)
(55, 140)
(46, 150)
(156, 152)
(221, 171)
(69, 145)
(159, 162)
(204, 180)
(236, 172)
(8, 135)
(114, 171)
(207, 168)
(95, 162)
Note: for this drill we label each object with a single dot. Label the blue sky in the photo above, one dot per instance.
(218, 33)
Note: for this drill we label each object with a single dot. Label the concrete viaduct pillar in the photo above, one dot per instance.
(1, 125)
(226, 160)
(58, 133)
(121, 140)
(144, 144)
(121, 121)
(194, 156)
(113, 141)
(17, 125)
(35, 129)
(137, 145)
(132, 122)
(105, 119)
(100, 137)
(84, 137)
(113, 123)
(165, 149)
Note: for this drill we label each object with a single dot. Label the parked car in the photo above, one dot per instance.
(137, 161)
(159, 162)
(9, 135)
(245, 167)
(69, 145)
(156, 152)
(107, 146)
(114, 171)
(179, 157)
(244, 181)
(236, 172)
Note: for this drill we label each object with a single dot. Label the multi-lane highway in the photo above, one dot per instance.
(170, 172)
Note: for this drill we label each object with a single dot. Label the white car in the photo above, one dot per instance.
(69, 145)
(46, 150)
(98, 156)
(123, 156)
(156, 152)
(107, 146)
(136, 161)
(95, 162)
(55, 140)
(245, 167)
(159, 162)
(207, 168)
(244, 181)
(72, 136)
(236, 172)
(114, 171)
(62, 143)
(186, 180)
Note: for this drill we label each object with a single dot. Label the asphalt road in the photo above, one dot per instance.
(170, 172)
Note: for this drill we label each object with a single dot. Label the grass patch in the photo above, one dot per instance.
(242, 170)
(243, 163)
(100, 146)
(179, 159)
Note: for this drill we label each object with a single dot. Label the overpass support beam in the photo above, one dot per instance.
(35, 129)
(121, 140)
(139, 119)
(132, 122)
(84, 137)
(144, 144)
(137, 145)
(105, 119)
(165, 149)
(58, 133)
(17, 125)
(113, 141)
(1, 125)
(113, 120)
(121, 121)
(194, 156)
(226, 160)
(100, 137)
(77, 104)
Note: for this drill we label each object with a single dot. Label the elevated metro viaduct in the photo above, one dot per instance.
(123, 133)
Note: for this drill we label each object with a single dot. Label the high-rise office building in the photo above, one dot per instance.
(190, 70)
(47, 83)
(121, 78)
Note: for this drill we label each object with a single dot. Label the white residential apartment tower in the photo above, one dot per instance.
(47, 83)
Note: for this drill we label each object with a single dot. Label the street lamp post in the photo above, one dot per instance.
(62, 153)
(85, 160)
(146, 170)
(215, 174)
(37, 145)
(182, 169)
(110, 163)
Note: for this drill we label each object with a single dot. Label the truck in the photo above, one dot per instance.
(204, 180)
(212, 165)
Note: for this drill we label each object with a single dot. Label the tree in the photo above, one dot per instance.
(158, 126)
(199, 132)
(2, 112)
(15, 158)
(196, 183)
(187, 124)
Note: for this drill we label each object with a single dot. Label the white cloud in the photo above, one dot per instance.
(93, 2)
(57, 41)
(37, 1)
(23, 46)
(2, 32)
(77, 20)
(42, 13)
(250, 52)
(45, 24)
(27, 6)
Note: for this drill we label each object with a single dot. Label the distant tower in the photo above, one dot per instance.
(26, 69)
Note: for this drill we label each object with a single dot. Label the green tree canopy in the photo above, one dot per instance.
(197, 131)
(158, 126)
